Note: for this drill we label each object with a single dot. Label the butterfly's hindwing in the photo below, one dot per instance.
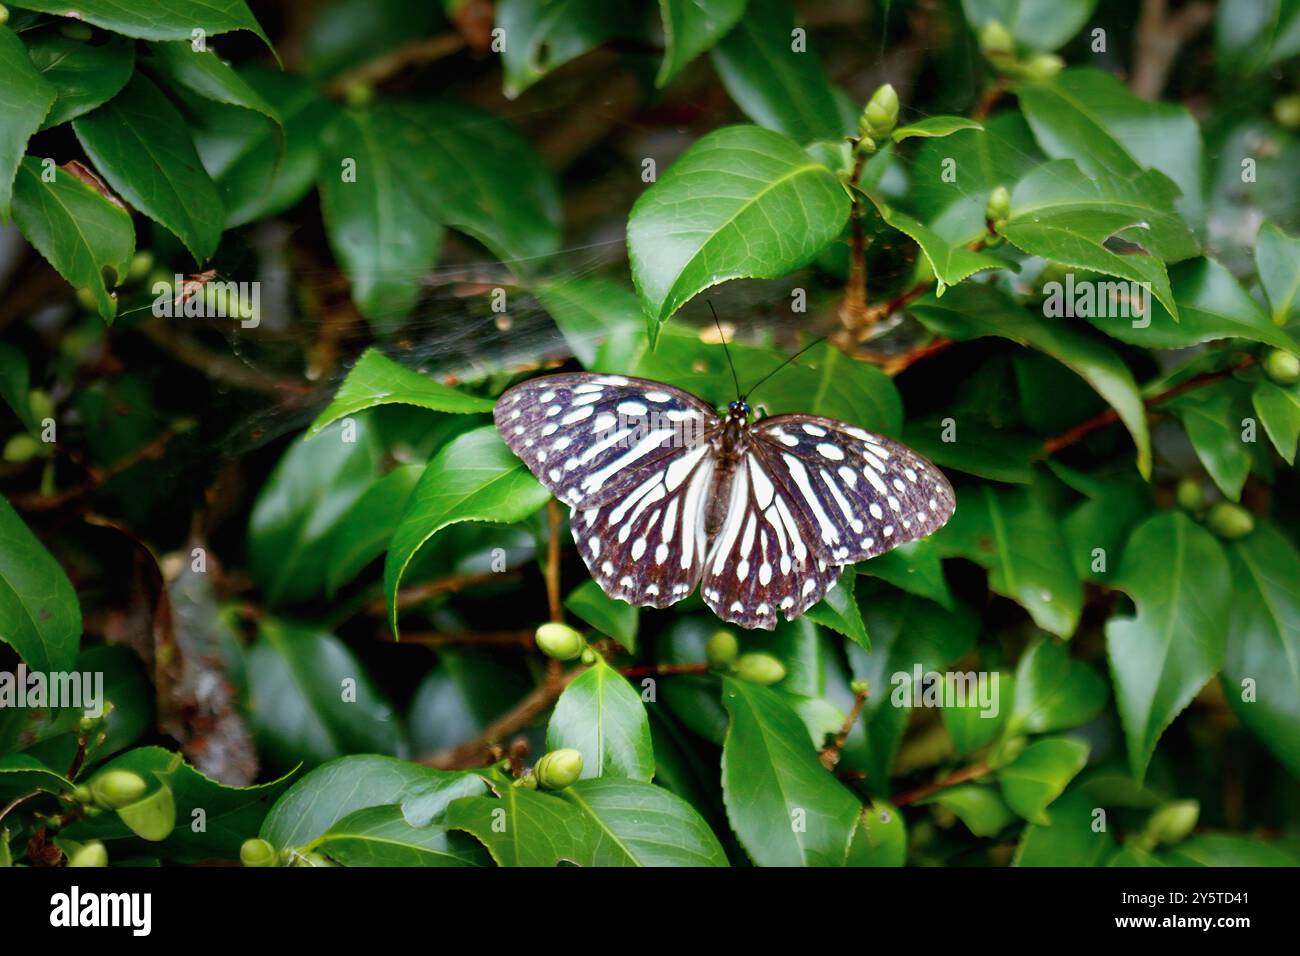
(647, 548)
(760, 563)
(862, 493)
(592, 439)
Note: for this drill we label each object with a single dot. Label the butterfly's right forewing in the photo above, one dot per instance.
(592, 439)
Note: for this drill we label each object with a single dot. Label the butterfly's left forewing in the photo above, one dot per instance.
(863, 494)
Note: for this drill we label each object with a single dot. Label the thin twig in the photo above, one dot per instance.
(392, 62)
(1158, 38)
(97, 476)
(520, 638)
(973, 772)
(830, 755)
(664, 670)
(555, 520)
(418, 594)
(854, 314)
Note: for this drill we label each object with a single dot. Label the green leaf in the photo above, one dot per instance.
(1263, 643)
(381, 228)
(975, 448)
(1070, 840)
(1277, 258)
(1054, 692)
(913, 567)
(608, 615)
(140, 143)
(1252, 37)
(528, 828)
(933, 127)
(1176, 573)
(690, 28)
(1213, 849)
(1212, 305)
(1039, 774)
(259, 170)
(601, 716)
(79, 231)
(1011, 533)
(1042, 25)
(475, 478)
(381, 836)
(1278, 409)
(741, 202)
(39, 614)
(546, 34)
(972, 311)
(1213, 417)
(230, 814)
(785, 807)
(1089, 116)
(880, 838)
(972, 723)
(206, 74)
(978, 806)
(640, 824)
(313, 486)
(22, 773)
(949, 263)
(310, 699)
(341, 787)
(159, 19)
(16, 384)
(775, 85)
(25, 99)
(378, 380)
(589, 310)
(363, 533)
(85, 75)
(838, 610)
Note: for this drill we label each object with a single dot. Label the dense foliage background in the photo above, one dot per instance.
(229, 499)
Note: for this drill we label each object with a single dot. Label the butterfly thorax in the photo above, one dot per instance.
(730, 446)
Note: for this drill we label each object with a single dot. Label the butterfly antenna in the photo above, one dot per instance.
(754, 387)
(726, 351)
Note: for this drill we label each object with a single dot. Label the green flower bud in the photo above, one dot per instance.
(759, 668)
(4, 14)
(81, 793)
(1282, 367)
(42, 406)
(722, 649)
(559, 641)
(258, 852)
(141, 265)
(880, 114)
(1230, 520)
(1173, 822)
(1286, 110)
(89, 854)
(999, 205)
(20, 448)
(117, 788)
(588, 656)
(75, 30)
(996, 40)
(527, 782)
(859, 687)
(1190, 495)
(559, 768)
(358, 94)
(86, 300)
(1043, 66)
(152, 818)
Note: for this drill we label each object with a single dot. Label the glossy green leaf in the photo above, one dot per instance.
(362, 534)
(741, 202)
(1039, 774)
(1278, 408)
(313, 486)
(15, 384)
(977, 805)
(310, 699)
(933, 127)
(972, 311)
(601, 716)
(981, 717)
(1020, 542)
(545, 34)
(475, 478)
(777, 86)
(913, 567)
(159, 19)
(949, 263)
(25, 99)
(1213, 418)
(79, 231)
(139, 143)
(1277, 258)
(22, 773)
(1053, 691)
(1089, 116)
(588, 310)
(39, 614)
(690, 28)
(608, 615)
(206, 74)
(1074, 837)
(1036, 24)
(975, 448)
(880, 838)
(382, 836)
(1252, 37)
(377, 380)
(85, 75)
(1261, 677)
(1214, 849)
(838, 610)
(529, 828)
(640, 824)
(1177, 575)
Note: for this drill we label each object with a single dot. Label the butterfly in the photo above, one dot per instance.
(667, 493)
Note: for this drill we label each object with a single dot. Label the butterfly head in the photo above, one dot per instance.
(739, 410)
